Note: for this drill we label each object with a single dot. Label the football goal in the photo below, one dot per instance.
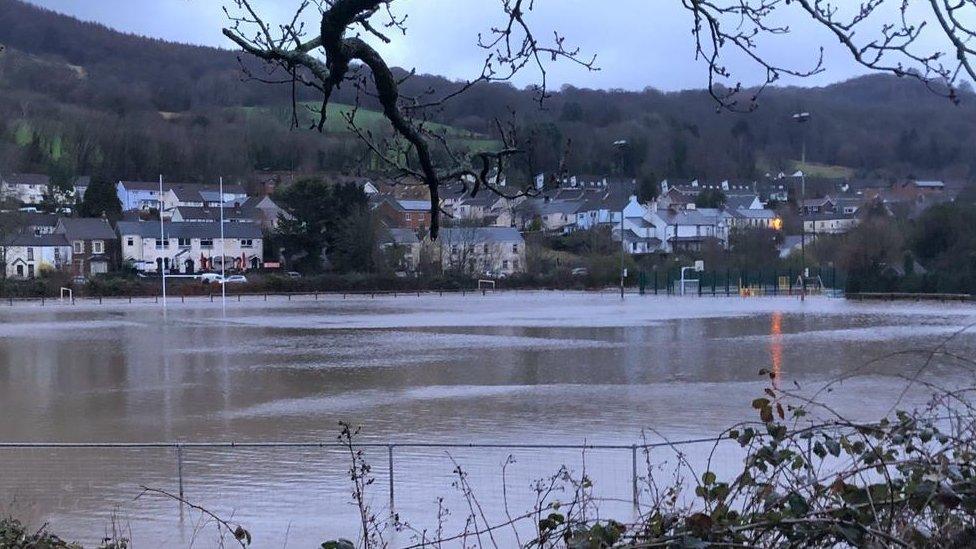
(69, 294)
(485, 285)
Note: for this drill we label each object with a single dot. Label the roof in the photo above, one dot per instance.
(36, 219)
(37, 241)
(559, 207)
(641, 222)
(930, 184)
(150, 229)
(403, 237)
(213, 213)
(182, 189)
(85, 228)
(631, 236)
(479, 234)
(745, 213)
(414, 205)
(27, 179)
(737, 201)
(828, 216)
(701, 216)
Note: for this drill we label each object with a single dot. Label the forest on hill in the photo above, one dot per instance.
(80, 98)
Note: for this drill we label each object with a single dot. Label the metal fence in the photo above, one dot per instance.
(78, 486)
(181, 449)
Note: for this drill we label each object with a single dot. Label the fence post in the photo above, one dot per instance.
(633, 461)
(390, 456)
(179, 469)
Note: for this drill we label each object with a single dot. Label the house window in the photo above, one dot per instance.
(183, 242)
(30, 271)
(485, 248)
(130, 241)
(505, 264)
(162, 244)
(206, 243)
(515, 264)
(78, 246)
(247, 243)
(98, 247)
(30, 254)
(20, 270)
(514, 248)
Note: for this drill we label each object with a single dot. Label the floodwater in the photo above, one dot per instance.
(502, 369)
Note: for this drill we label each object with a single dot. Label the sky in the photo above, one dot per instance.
(638, 43)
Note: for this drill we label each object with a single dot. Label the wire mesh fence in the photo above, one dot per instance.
(303, 491)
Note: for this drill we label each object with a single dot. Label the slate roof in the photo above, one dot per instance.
(150, 229)
(37, 241)
(480, 235)
(27, 179)
(85, 228)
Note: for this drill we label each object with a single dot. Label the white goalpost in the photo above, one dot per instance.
(485, 285)
(69, 293)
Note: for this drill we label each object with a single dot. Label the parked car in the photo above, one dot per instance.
(294, 274)
(208, 278)
(580, 271)
(234, 279)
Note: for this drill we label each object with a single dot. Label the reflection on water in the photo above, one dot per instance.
(509, 368)
(776, 346)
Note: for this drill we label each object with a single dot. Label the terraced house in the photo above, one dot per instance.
(189, 248)
(94, 245)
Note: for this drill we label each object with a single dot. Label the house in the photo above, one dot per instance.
(688, 229)
(142, 195)
(31, 188)
(743, 202)
(478, 251)
(402, 248)
(830, 223)
(404, 214)
(35, 223)
(744, 218)
(26, 188)
(94, 245)
(202, 195)
(190, 248)
(265, 212)
(814, 206)
(138, 195)
(27, 256)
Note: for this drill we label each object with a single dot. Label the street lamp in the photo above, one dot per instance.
(802, 118)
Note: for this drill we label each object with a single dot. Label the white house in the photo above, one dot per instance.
(142, 195)
(483, 251)
(27, 256)
(190, 247)
(830, 223)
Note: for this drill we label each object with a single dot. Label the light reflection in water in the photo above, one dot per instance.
(776, 346)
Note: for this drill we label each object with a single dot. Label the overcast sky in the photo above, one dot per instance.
(638, 43)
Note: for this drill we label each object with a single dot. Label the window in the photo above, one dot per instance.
(30, 254)
(30, 271)
(486, 249)
(505, 264)
(20, 270)
(514, 248)
(98, 246)
(78, 246)
(130, 241)
(247, 243)
(206, 243)
(183, 242)
(162, 244)
(515, 264)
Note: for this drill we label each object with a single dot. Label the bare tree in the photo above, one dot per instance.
(881, 35)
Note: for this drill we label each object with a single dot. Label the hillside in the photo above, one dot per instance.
(79, 97)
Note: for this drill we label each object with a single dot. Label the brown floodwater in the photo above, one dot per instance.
(502, 369)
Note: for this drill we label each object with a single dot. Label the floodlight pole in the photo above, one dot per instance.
(802, 118)
(162, 239)
(223, 254)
